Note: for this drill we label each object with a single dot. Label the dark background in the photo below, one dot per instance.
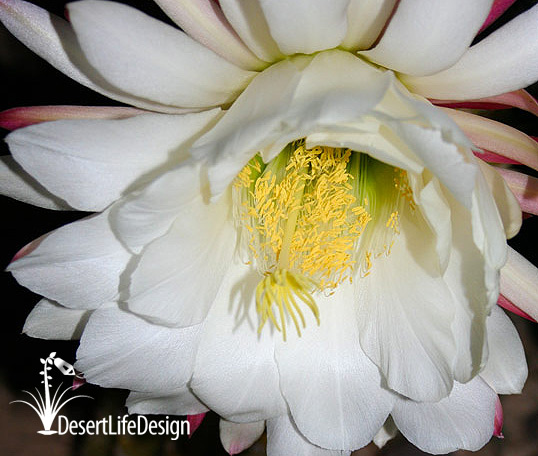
(26, 81)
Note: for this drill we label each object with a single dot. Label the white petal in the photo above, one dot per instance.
(92, 163)
(405, 313)
(333, 390)
(49, 320)
(52, 38)
(148, 213)
(205, 22)
(18, 184)
(177, 402)
(365, 21)
(78, 265)
(505, 200)
(464, 420)
(386, 433)
(506, 369)
(290, 100)
(465, 276)
(248, 20)
(150, 59)
(120, 350)
(283, 438)
(506, 60)
(235, 372)
(420, 28)
(519, 283)
(236, 437)
(306, 26)
(180, 273)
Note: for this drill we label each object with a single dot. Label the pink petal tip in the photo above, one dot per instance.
(194, 422)
(510, 306)
(499, 420)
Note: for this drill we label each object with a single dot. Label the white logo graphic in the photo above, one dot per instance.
(47, 408)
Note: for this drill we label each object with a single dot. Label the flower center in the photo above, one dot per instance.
(311, 219)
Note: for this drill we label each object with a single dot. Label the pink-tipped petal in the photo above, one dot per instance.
(497, 137)
(194, 422)
(14, 118)
(498, 8)
(517, 99)
(498, 421)
(524, 187)
(78, 381)
(28, 248)
(519, 283)
(237, 437)
(509, 305)
(491, 157)
(204, 21)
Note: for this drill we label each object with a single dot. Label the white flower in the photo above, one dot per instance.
(295, 236)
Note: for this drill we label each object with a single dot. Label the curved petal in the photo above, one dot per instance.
(284, 438)
(52, 38)
(237, 437)
(306, 26)
(14, 118)
(386, 433)
(420, 28)
(519, 283)
(170, 68)
(177, 402)
(78, 265)
(488, 67)
(525, 189)
(92, 163)
(506, 369)
(120, 350)
(235, 372)
(464, 420)
(497, 137)
(365, 21)
(18, 184)
(405, 322)
(180, 273)
(204, 21)
(333, 390)
(49, 320)
(289, 100)
(248, 20)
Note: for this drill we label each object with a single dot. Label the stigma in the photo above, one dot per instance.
(311, 219)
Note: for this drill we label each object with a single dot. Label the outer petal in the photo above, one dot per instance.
(525, 189)
(91, 163)
(235, 372)
(487, 68)
(18, 184)
(236, 437)
(506, 369)
(52, 38)
(289, 100)
(519, 283)
(248, 20)
(12, 119)
(177, 402)
(204, 21)
(333, 390)
(420, 28)
(284, 438)
(306, 26)
(49, 320)
(462, 420)
(170, 284)
(405, 322)
(78, 265)
(169, 67)
(365, 21)
(120, 350)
